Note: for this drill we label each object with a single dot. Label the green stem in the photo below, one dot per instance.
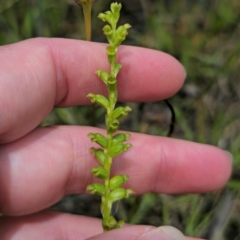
(112, 96)
(106, 205)
(87, 9)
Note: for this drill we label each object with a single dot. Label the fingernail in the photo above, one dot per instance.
(163, 233)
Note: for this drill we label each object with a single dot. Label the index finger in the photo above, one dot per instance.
(38, 74)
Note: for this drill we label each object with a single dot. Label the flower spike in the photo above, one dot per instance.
(113, 144)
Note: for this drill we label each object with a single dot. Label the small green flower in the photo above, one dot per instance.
(117, 181)
(98, 138)
(119, 193)
(99, 154)
(100, 172)
(120, 137)
(99, 99)
(96, 188)
(121, 111)
(113, 126)
(116, 149)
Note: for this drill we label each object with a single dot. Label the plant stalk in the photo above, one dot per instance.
(87, 10)
(112, 96)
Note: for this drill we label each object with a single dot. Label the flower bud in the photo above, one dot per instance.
(99, 139)
(99, 99)
(116, 149)
(96, 188)
(109, 223)
(111, 80)
(103, 75)
(109, 18)
(111, 50)
(99, 154)
(121, 111)
(115, 8)
(102, 16)
(100, 172)
(121, 33)
(109, 13)
(117, 181)
(120, 137)
(119, 193)
(107, 30)
(127, 26)
(113, 125)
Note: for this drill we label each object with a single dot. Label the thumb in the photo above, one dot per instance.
(163, 233)
(141, 233)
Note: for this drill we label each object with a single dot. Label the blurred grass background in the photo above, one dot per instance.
(205, 37)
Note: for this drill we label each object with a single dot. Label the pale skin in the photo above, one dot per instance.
(38, 166)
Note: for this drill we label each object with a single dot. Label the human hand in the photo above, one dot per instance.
(38, 166)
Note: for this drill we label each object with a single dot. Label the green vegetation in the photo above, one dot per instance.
(204, 36)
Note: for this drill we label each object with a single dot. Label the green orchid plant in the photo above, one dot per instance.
(113, 143)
